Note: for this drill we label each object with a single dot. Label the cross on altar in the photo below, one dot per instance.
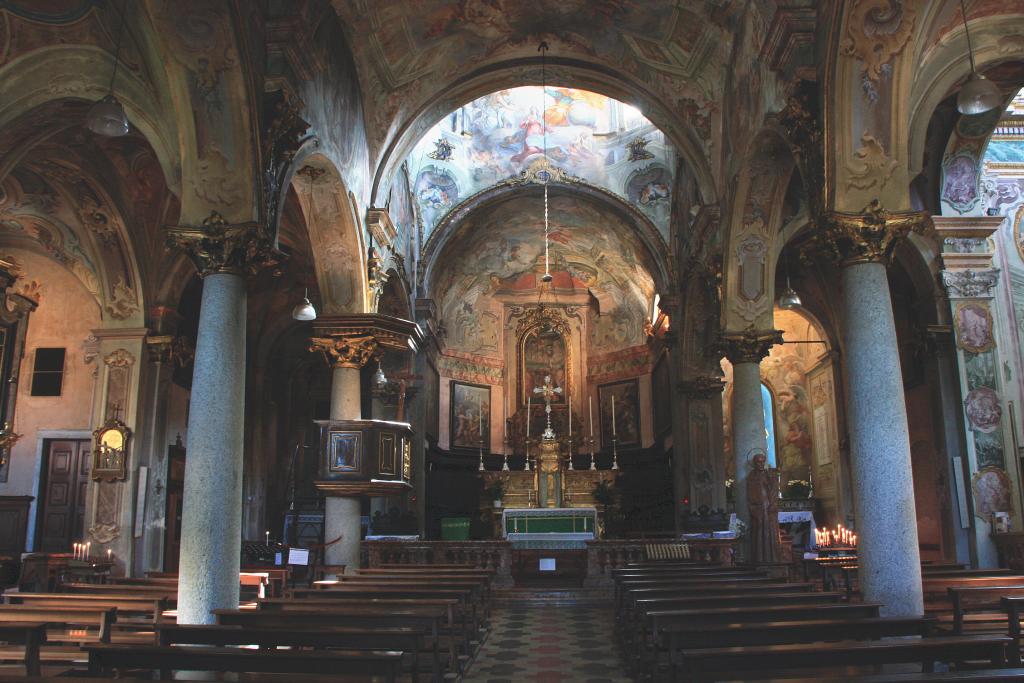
(548, 392)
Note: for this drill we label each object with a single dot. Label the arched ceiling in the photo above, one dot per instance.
(497, 251)
(497, 137)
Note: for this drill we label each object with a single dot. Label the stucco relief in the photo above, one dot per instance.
(870, 167)
(877, 31)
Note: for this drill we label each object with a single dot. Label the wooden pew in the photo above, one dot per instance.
(1014, 607)
(277, 576)
(407, 639)
(936, 589)
(432, 619)
(142, 609)
(969, 675)
(703, 664)
(65, 629)
(105, 658)
(29, 636)
(697, 636)
(981, 608)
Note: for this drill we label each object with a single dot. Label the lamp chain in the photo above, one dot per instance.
(117, 49)
(543, 49)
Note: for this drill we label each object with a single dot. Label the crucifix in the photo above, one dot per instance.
(547, 392)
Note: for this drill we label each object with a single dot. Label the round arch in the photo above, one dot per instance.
(515, 73)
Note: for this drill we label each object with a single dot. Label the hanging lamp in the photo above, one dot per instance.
(543, 50)
(978, 95)
(304, 311)
(789, 299)
(107, 116)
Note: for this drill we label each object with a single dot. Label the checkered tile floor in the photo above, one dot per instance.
(549, 645)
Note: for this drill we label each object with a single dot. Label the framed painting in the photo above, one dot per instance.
(470, 408)
(974, 328)
(543, 354)
(345, 452)
(620, 413)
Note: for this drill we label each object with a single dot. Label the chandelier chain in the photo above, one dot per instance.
(543, 49)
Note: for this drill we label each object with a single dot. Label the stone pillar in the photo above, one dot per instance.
(883, 483)
(745, 350)
(348, 354)
(702, 412)
(211, 525)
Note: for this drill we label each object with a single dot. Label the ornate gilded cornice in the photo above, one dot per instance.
(866, 237)
(219, 247)
(749, 346)
(167, 348)
(346, 351)
(701, 387)
(970, 284)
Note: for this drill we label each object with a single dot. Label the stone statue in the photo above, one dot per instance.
(762, 498)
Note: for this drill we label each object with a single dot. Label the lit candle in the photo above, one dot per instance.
(88, 550)
(590, 412)
(614, 433)
(529, 400)
(110, 555)
(267, 534)
(74, 551)
(570, 416)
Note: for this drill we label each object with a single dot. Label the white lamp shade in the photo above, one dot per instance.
(789, 299)
(107, 118)
(978, 95)
(304, 311)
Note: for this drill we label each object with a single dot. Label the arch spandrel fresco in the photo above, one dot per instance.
(597, 139)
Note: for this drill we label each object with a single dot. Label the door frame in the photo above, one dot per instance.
(42, 436)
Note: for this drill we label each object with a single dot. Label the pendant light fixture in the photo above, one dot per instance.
(107, 116)
(379, 378)
(978, 95)
(304, 311)
(543, 50)
(789, 299)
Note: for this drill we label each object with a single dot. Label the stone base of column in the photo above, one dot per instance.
(342, 522)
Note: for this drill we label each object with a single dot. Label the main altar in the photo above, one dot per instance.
(549, 504)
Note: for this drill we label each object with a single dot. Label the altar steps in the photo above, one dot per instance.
(552, 597)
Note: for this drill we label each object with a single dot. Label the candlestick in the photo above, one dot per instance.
(615, 449)
(614, 433)
(110, 556)
(506, 416)
(267, 535)
(570, 421)
(590, 411)
(529, 399)
(480, 413)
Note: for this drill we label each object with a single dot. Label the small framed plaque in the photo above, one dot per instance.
(344, 453)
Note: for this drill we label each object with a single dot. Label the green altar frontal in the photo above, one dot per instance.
(531, 527)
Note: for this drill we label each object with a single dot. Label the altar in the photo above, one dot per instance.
(549, 528)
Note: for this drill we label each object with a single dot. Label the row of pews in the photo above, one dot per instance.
(394, 623)
(681, 620)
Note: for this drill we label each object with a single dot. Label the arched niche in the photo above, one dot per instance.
(544, 351)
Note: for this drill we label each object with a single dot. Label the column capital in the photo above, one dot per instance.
(701, 386)
(169, 348)
(970, 284)
(346, 351)
(748, 346)
(217, 246)
(866, 237)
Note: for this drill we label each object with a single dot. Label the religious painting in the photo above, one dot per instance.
(991, 487)
(983, 409)
(960, 181)
(387, 454)
(344, 451)
(470, 416)
(620, 413)
(661, 386)
(1018, 228)
(974, 328)
(544, 360)
(436, 192)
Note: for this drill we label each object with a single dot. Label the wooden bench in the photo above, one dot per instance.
(144, 610)
(981, 608)
(630, 597)
(474, 608)
(105, 659)
(971, 675)
(29, 636)
(405, 638)
(681, 637)
(1014, 608)
(701, 664)
(936, 589)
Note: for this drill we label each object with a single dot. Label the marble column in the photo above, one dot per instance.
(211, 525)
(342, 513)
(882, 478)
(745, 351)
(211, 520)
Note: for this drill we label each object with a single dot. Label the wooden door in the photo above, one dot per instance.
(175, 496)
(61, 519)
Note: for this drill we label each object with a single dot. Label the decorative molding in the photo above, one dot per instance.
(701, 387)
(877, 31)
(970, 284)
(866, 237)
(119, 358)
(345, 351)
(123, 301)
(749, 346)
(870, 166)
(554, 318)
(104, 533)
(168, 348)
(219, 247)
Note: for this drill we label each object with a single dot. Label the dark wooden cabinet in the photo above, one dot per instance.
(61, 518)
(14, 524)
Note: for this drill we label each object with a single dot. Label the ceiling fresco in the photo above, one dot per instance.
(676, 51)
(600, 140)
(499, 251)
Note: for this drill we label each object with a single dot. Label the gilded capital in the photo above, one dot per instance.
(701, 387)
(866, 237)
(346, 351)
(219, 247)
(749, 346)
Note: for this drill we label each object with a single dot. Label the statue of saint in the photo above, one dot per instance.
(762, 498)
(549, 481)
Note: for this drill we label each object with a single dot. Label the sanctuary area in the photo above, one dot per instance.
(493, 340)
